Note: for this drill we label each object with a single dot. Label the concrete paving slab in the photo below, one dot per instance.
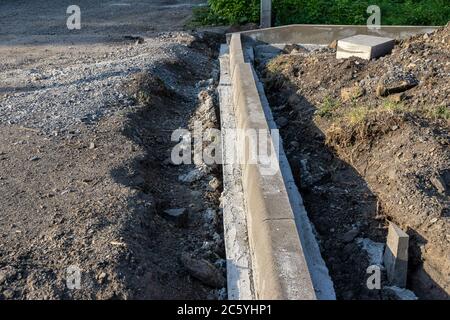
(364, 46)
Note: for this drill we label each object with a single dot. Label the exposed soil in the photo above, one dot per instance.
(369, 142)
(86, 176)
(95, 198)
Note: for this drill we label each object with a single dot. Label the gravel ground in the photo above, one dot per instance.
(53, 78)
(81, 86)
(85, 175)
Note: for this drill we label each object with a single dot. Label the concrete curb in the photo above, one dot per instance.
(279, 267)
(325, 34)
(323, 285)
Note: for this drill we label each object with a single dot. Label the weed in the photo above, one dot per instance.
(328, 107)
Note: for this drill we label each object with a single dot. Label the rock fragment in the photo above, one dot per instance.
(179, 216)
(203, 270)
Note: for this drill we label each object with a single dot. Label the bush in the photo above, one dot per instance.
(393, 12)
(236, 11)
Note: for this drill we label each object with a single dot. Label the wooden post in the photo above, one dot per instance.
(266, 13)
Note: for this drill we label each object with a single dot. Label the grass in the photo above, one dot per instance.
(328, 107)
(398, 12)
(204, 16)
(439, 112)
(358, 115)
(394, 106)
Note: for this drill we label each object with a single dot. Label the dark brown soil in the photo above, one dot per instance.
(94, 197)
(363, 156)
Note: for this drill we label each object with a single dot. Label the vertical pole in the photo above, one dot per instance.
(266, 13)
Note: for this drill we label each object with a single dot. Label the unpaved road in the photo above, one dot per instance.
(26, 21)
(85, 174)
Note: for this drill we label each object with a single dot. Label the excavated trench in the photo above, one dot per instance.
(179, 250)
(341, 188)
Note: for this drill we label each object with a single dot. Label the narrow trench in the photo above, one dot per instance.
(177, 249)
(340, 204)
(350, 209)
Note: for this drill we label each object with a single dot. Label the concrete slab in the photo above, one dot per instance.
(364, 46)
(396, 256)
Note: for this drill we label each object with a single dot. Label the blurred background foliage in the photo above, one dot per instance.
(393, 12)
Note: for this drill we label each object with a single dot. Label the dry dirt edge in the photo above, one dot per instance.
(355, 176)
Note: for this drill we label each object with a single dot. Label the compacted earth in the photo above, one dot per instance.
(91, 205)
(368, 142)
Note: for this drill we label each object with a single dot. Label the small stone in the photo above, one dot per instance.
(282, 122)
(351, 93)
(8, 294)
(439, 184)
(191, 176)
(203, 270)
(214, 184)
(396, 98)
(398, 83)
(196, 194)
(294, 100)
(2, 277)
(349, 236)
(34, 158)
(401, 294)
(210, 216)
(101, 277)
(374, 250)
(333, 45)
(179, 216)
(295, 144)
(91, 146)
(222, 294)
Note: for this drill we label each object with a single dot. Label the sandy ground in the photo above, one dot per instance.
(84, 171)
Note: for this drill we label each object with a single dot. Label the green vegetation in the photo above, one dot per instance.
(328, 107)
(440, 112)
(393, 12)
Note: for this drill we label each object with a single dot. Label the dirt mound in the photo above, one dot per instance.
(378, 130)
(145, 86)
